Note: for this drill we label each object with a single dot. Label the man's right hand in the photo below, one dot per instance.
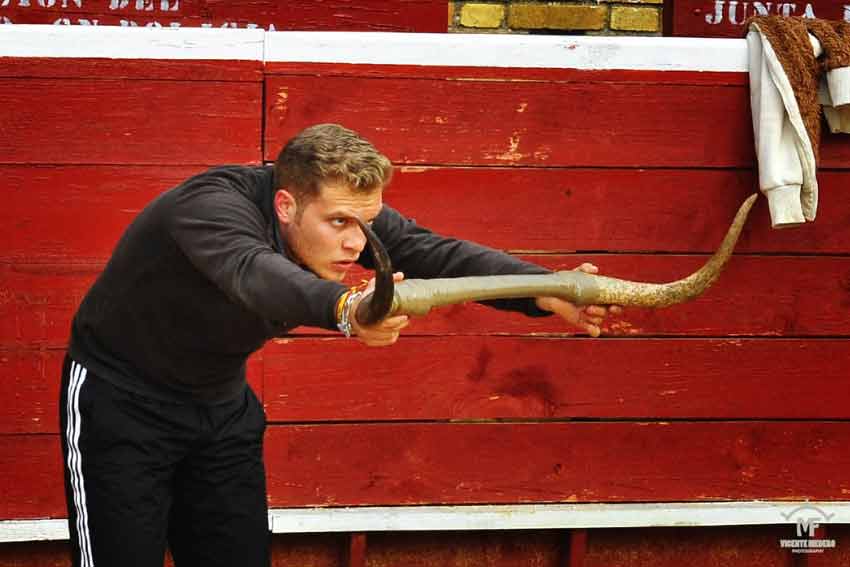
(384, 332)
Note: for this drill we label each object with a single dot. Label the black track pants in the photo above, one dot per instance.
(142, 473)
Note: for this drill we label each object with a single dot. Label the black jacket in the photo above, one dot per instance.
(199, 281)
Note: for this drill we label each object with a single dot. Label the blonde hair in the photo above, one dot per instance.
(330, 153)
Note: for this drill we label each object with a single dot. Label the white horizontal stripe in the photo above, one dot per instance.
(113, 42)
(492, 50)
(462, 50)
(506, 517)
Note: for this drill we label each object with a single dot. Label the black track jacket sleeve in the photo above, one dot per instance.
(225, 240)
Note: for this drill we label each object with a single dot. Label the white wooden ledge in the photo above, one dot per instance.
(456, 50)
(493, 517)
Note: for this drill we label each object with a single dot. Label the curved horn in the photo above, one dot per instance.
(377, 304)
(417, 297)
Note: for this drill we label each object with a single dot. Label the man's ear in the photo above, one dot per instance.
(284, 206)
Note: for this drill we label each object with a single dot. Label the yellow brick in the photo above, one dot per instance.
(527, 16)
(635, 19)
(558, 16)
(482, 15)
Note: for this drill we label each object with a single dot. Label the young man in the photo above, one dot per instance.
(162, 437)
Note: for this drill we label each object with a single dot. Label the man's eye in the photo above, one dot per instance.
(339, 222)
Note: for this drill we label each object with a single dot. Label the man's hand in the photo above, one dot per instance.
(382, 333)
(589, 317)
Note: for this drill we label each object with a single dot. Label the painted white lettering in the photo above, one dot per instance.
(62, 22)
(46, 3)
(128, 24)
(169, 5)
(809, 12)
(251, 26)
(733, 13)
(79, 3)
(847, 12)
(174, 25)
(787, 9)
(21, 3)
(153, 25)
(761, 9)
(144, 5)
(118, 4)
(271, 27)
(85, 22)
(4, 20)
(206, 25)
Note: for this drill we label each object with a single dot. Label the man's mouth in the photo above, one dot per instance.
(344, 265)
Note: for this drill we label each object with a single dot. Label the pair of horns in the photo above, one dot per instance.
(418, 297)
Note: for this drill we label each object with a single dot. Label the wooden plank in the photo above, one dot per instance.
(31, 382)
(681, 210)
(756, 296)
(672, 547)
(35, 554)
(531, 548)
(533, 378)
(421, 463)
(30, 385)
(31, 477)
(539, 209)
(121, 122)
(427, 69)
(378, 464)
(134, 69)
(725, 18)
(40, 222)
(516, 123)
(333, 15)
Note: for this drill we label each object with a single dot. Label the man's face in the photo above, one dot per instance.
(321, 231)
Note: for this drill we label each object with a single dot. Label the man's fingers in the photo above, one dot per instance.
(395, 323)
(588, 268)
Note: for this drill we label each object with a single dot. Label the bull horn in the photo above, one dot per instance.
(418, 297)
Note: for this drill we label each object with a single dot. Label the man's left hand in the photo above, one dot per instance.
(588, 318)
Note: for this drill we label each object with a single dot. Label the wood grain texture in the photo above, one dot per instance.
(512, 123)
(454, 463)
(554, 209)
(31, 382)
(133, 69)
(539, 74)
(312, 15)
(111, 121)
(31, 477)
(472, 378)
(783, 296)
(419, 463)
(617, 210)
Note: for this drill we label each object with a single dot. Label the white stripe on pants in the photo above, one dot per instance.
(75, 462)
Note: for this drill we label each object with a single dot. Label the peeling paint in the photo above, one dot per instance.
(512, 153)
(281, 104)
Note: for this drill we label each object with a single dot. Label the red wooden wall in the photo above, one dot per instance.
(726, 18)
(740, 395)
(340, 15)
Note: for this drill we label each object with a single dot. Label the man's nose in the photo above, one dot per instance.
(354, 239)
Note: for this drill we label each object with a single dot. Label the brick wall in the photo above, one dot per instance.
(602, 17)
